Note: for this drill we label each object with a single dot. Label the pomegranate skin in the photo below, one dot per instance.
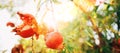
(54, 40)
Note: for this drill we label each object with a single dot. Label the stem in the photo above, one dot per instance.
(32, 45)
(43, 16)
(95, 28)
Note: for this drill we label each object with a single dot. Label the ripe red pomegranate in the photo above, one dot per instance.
(54, 40)
(28, 19)
(119, 41)
(17, 49)
(25, 32)
(28, 28)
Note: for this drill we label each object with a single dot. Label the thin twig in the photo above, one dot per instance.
(43, 16)
(32, 45)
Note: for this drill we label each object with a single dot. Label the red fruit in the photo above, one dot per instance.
(119, 41)
(26, 32)
(17, 49)
(10, 24)
(29, 19)
(54, 40)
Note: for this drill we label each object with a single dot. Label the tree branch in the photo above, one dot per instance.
(95, 28)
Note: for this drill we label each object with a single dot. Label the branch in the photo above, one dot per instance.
(95, 28)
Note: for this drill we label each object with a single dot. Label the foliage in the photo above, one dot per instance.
(93, 30)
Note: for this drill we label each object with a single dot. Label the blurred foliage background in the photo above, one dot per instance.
(94, 27)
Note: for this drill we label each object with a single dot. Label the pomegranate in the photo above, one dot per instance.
(54, 40)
